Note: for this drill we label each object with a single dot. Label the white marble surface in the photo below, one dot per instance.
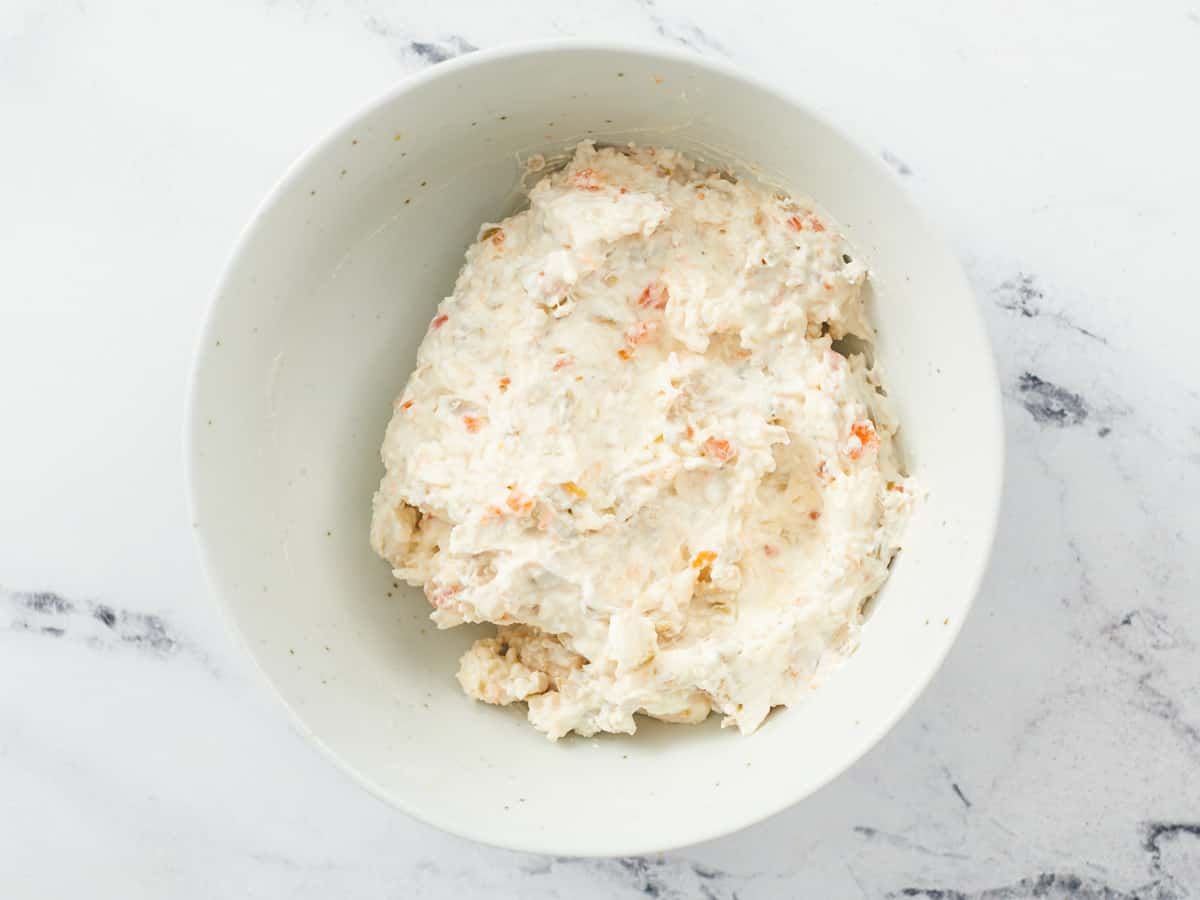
(1057, 753)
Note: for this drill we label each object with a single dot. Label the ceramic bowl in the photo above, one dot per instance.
(313, 332)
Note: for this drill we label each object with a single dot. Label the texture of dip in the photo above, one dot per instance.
(630, 443)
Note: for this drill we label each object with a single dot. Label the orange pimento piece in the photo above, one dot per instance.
(862, 439)
(441, 597)
(407, 404)
(814, 223)
(719, 448)
(624, 354)
(574, 490)
(654, 296)
(814, 515)
(562, 362)
(440, 320)
(640, 333)
(474, 423)
(518, 502)
(703, 558)
(504, 383)
(587, 180)
(770, 550)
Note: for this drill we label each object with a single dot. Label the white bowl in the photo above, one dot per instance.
(313, 332)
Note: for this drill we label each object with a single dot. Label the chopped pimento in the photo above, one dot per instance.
(518, 502)
(797, 224)
(719, 449)
(574, 490)
(441, 597)
(474, 423)
(703, 558)
(588, 180)
(440, 320)
(862, 439)
(654, 296)
(640, 333)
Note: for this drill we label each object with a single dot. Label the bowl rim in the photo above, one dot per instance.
(615, 845)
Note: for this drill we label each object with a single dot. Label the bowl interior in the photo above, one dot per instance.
(313, 333)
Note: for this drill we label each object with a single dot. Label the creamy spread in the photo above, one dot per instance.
(631, 441)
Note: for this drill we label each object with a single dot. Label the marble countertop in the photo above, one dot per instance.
(1056, 754)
